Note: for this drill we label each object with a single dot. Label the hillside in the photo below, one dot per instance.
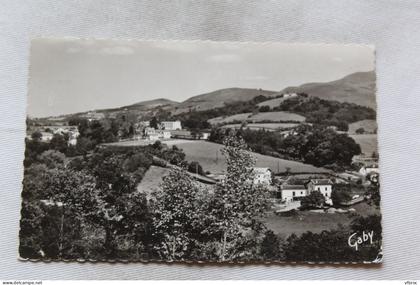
(219, 98)
(358, 88)
(259, 117)
(155, 103)
(209, 155)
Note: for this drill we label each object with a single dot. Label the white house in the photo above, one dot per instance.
(291, 193)
(262, 175)
(205, 136)
(46, 136)
(171, 125)
(149, 131)
(153, 137)
(365, 170)
(323, 186)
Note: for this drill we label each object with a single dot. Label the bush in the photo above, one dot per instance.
(195, 167)
(264, 109)
(313, 200)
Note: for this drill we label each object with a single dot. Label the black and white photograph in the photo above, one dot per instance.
(201, 152)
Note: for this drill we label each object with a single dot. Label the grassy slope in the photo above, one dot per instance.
(368, 125)
(368, 143)
(266, 126)
(209, 156)
(267, 116)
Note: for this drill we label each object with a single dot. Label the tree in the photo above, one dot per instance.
(195, 167)
(360, 131)
(341, 194)
(59, 143)
(237, 202)
(313, 200)
(175, 211)
(154, 123)
(264, 108)
(36, 136)
(52, 158)
(270, 247)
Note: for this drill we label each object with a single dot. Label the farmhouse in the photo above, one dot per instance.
(324, 186)
(365, 170)
(291, 193)
(171, 125)
(46, 136)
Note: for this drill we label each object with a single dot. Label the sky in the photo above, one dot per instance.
(74, 75)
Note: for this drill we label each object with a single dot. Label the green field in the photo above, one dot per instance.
(315, 222)
(209, 156)
(368, 125)
(273, 102)
(259, 117)
(367, 142)
(266, 126)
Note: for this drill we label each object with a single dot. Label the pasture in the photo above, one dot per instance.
(273, 102)
(368, 125)
(209, 155)
(266, 126)
(368, 143)
(259, 117)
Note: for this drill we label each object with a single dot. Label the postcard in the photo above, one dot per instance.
(201, 151)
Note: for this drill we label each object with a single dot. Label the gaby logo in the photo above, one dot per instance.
(354, 240)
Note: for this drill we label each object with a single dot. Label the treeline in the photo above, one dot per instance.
(326, 112)
(316, 145)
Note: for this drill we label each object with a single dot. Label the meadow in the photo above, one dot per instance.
(368, 143)
(209, 155)
(259, 117)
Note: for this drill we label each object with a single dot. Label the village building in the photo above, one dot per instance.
(171, 125)
(291, 193)
(372, 169)
(323, 186)
(46, 136)
(204, 136)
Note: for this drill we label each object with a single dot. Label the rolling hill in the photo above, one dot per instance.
(358, 88)
(219, 98)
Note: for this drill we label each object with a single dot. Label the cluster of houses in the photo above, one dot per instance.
(48, 132)
(165, 131)
(146, 132)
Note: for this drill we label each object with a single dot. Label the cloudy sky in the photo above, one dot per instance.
(72, 75)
